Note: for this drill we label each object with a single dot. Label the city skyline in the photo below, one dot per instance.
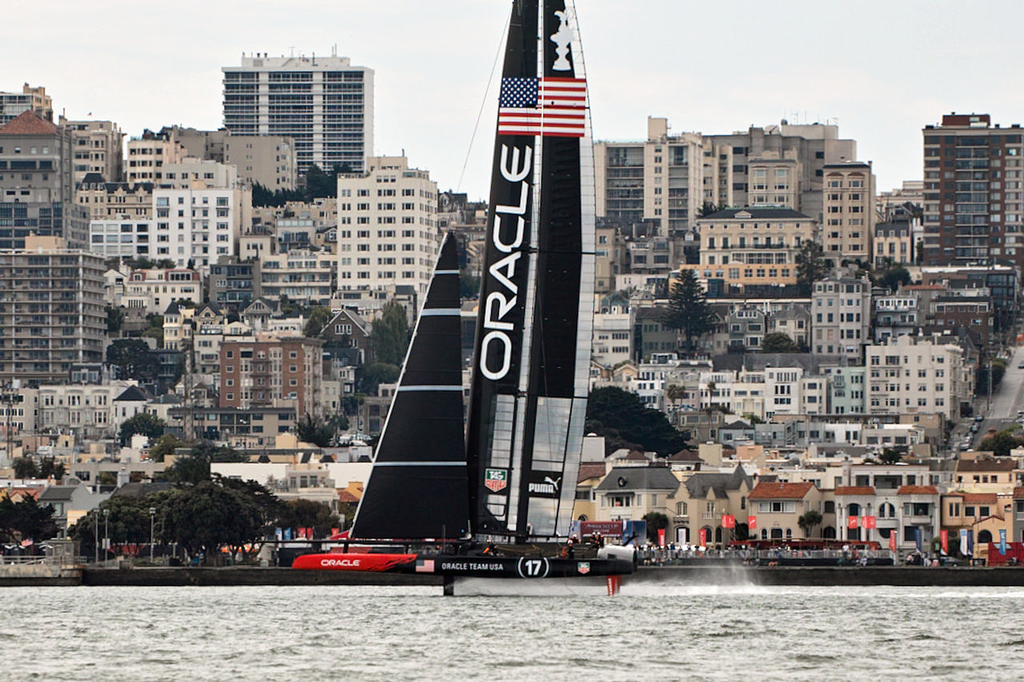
(880, 78)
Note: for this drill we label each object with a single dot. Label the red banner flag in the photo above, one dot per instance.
(728, 521)
(661, 537)
(851, 522)
(869, 522)
(703, 537)
(944, 539)
(752, 522)
(892, 539)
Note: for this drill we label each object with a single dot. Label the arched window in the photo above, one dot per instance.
(984, 536)
(853, 509)
(828, 533)
(887, 510)
(776, 533)
(789, 533)
(764, 533)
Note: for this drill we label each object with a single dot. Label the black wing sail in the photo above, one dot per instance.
(535, 323)
(417, 486)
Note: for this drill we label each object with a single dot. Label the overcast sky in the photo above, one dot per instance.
(881, 71)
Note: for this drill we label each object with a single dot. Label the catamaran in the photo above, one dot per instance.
(486, 493)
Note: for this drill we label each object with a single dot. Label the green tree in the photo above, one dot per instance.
(25, 467)
(115, 319)
(810, 266)
(155, 328)
(655, 521)
(25, 519)
(376, 374)
(808, 520)
(778, 342)
(194, 468)
(890, 456)
(707, 208)
(390, 334)
(688, 310)
(165, 445)
(320, 184)
(144, 423)
(626, 422)
(302, 513)
(208, 516)
(893, 277)
(315, 430)
(49, 466)
(134, 359)
(1001, 443)
(981, 376)
(319, 316)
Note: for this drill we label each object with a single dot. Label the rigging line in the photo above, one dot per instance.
(483, 103)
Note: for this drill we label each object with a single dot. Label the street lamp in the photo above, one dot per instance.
(152, 517)
(106, 534)
(96, 537)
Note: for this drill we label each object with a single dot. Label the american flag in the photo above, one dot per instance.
(424, 565)
(543, 106)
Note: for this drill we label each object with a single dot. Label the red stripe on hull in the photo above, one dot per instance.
(375, 563)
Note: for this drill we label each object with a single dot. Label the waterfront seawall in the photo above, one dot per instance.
(721, 574)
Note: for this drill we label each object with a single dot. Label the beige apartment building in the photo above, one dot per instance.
(751, 250)
(115, 200)
(98, 149)
(848, 222)
(387, 230)
(918, 375)
(300, 274)
(658, 180)
(148, 154)
(664, 181)
(269, 160)
(29, 99)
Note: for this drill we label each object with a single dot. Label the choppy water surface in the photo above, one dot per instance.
(649, 632)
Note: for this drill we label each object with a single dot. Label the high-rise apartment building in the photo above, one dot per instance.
(387, 231)
(658, 180)
(37, 184)
(973, 195)
(325, 104)
(29, 99)
(52, 315)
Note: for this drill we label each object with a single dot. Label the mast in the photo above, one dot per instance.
(535, 320)
(417, 486)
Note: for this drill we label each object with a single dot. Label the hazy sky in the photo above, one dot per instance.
(880, 70)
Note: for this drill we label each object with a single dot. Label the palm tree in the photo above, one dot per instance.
(809, 520)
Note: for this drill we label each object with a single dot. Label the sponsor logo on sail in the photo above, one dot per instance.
(548, 486)
(495, 480)
(507, 235)
(583, 567)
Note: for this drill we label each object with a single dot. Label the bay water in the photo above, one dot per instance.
(651, 631)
